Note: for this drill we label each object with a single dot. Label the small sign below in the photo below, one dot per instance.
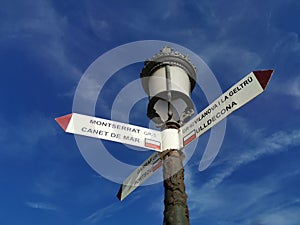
(142, 173)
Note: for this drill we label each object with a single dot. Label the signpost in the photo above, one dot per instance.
(110, 130)
(238, 95)
(173, 69)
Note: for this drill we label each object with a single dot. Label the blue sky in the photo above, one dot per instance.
(46, 46)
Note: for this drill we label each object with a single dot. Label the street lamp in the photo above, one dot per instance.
(169, 78)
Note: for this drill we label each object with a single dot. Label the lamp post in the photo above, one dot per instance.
(169, 78)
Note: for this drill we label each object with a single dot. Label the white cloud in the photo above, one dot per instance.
(23, 134)
(38, 27)
(240, 58)
(289, 216)
(101, 214)
(258, 199)
(42, 205)
(101, 26)
(48, 184)
(253, 201)
(278, 142)
(107, 211)
(293, 88)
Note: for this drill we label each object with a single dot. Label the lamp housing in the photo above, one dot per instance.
(169, 78)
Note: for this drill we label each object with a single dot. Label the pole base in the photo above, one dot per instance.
(176, 209)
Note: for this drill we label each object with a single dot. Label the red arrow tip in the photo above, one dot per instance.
(63, 121)
(263, 77)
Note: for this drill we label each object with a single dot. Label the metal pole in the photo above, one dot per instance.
(176, 210)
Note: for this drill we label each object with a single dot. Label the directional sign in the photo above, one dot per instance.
(138, 176)
(242, 92)
(110, 130)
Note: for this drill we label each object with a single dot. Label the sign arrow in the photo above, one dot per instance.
(238, 95)
(142, 173)
(110, 130)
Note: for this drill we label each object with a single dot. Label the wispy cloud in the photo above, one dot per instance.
(108, 211)
(262, 200)
(25, 133)
(42, 205)
(226, 53)
(47, 183)
(103, 213)
(289, 216)
(293, 90)
(244, 202)
(278, 142)
(37, 25)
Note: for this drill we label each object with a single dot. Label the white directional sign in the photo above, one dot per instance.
(138, 176)
(238, 95)
(110, 130)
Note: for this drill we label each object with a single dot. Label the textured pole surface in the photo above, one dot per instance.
(176, 210)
